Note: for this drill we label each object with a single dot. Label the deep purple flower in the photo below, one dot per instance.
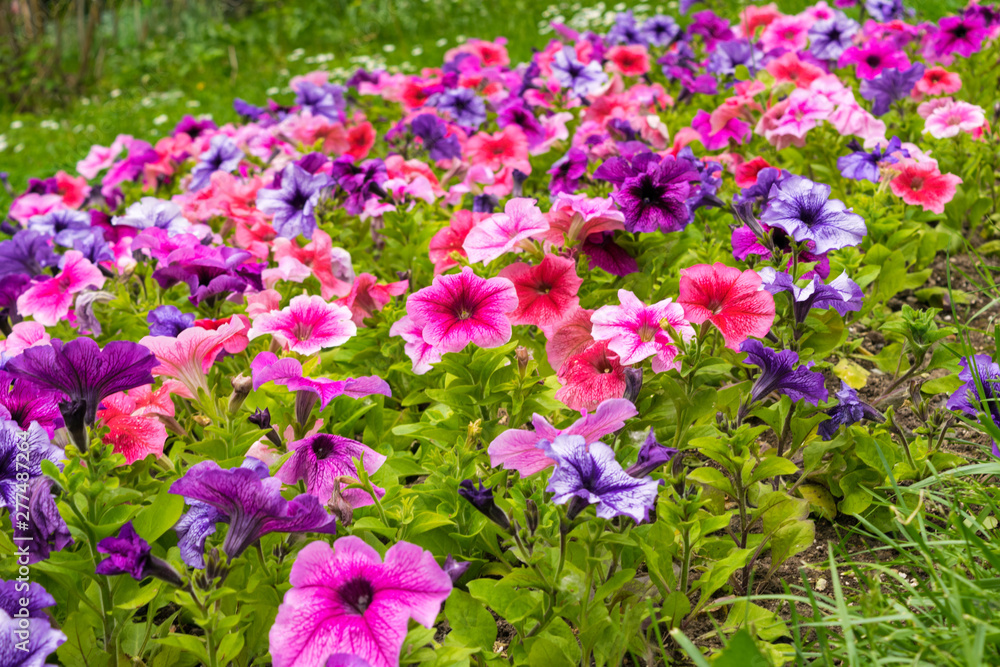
(360, 182)
(829, 39)
(862, 165)
(211, 272)
(567, 171)
(804, 210)
(46, 531)
(464, 107)
(733, 53)
(484, 203)
(849, 410)
(130, 554)
(778, 373)
(842, 294)
(222, 155)
(481, 498)
(454, 569)
(711, 27)
(11, 287)
(90, 243)
(625, 30)
(605, 254)
(760, 191)
(582, 79)
(326, 100)
(28, 252)
(14, 460)
(253, 506)
(26, 642)
(84, 373)
(710, 180)
(660, 30)
(433, 132)
(248, 111)
(514, 112)
(292, 205)
(652, 455)
(651, 191)
(193, 127)
(168, 321)
(890, 86)
(361, 75)
(982, 370)
(26, 402)
(152, 212)
(588, 474)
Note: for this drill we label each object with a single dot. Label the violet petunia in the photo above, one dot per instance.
(325, 462)
(651, 456)
(778, 373)
(252, 506)
(326, 100)
(25, 402)
(481, 497)
(345, 599)
(864, 165)
(150, 212)
(168, 321)
(433, 132)
(588, 474)
(829, 38)
(981, 376)
(21, 456)
(849, 410)
(841, 294)
(28, 252)
(266, 367)
(567, 171)
(46, 531)
(660, 30)
(582, 79)
(129, 554)
(517, 449)
(804, 210)
(891, 85)
(651, 191)
(963, 35)
(222, 155)
(463, 106)
(26, 642)
(292, 204)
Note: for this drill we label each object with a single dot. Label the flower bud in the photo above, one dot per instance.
(304, 403)
(633, 383)
(523, 356)
(241, 389)
(531, 515)
(261, 419)
(482, 499)
(454, 569)
(340, 507)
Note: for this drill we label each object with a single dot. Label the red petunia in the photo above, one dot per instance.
(632, 60)
(590, 377)
(921, 184)
(571, 337)
(746, 173)
(546, 293)
(731, 299)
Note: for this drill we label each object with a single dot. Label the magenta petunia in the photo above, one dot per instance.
(49, 301)
(190, 355)
(267, 367)
(517, 449)
(345, 599)
(501, 232)
(546, 293)
(635, 331)
(732, 300)
(325, 462)
(421, 353)
(307, 325)
(463, 308)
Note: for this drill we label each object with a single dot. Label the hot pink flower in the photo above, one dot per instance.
(732, 300)
(573, 218)
(501, 232)
(873, 56)
(631, 60)
(133, 431)
(517, 449)
(450, 239)
(28, 206)
(634, 331)
(921, 184)
(805, 111)
(49, 301)
(788, 32)
(460, 309)
(735, 130)
(936, 81)
(790, 69)
(344, 599)
(506, 148)
(591, 377)
(546, 293)
(98, 159)
(367, 296)
(22, 336)
(74, 191)
(571, 338)
(307, 325)
(190, 355)
(421, 353)
(266, 367)
(746, 173)
(948, 121)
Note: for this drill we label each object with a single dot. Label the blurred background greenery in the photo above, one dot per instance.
(78, 72)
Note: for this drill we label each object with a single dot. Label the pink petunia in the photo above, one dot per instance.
(447, 243)
(190, 355)
(421, 353)
(367, 296)
(98, 159)
(307, 325)
(635, 332)
(74, 191)
(267, 367)
(49, 301)
(546, 293)
(628, 60)
(787, 32)
(507, 148)
(936, 81)
(873, 56)
(734, 130)
(950, 120)
(732, 300)
(331, 266)
(344, 599)
(573, 218)
(922, 184)
(517, 449)
(591, 377)
(133, 432)
(460, 309)
(28, 206)
(22, 336)
(501, 232)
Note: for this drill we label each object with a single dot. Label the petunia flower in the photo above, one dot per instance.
(129, 554)
(21, 456)
(133, 431)
(367, 296)
(830, 38)
(501, 232)
(588, 474)
(950, 120)
(434, 136)
(546, 292)
(460, 309)
(660, 30)
(190, 355)
(590, 377)
(292, 203)
(448, 242)
(651, 456)
(980, 375)
(168, 321)
(222, 155)
(150, 212)
(936, 81)
(891, 85)
(605, 253)
(517, 449)
(841, 294)
(849, 410)
(27, 252)
(963, 35)
(583, 80)
(266, 367)
(24, 402)
(651, 191)
(253, 507)
(422, 354)
(463, 106)
(573, 218)
(34, 632)
(345, 599)
(49, 301)
(779, 374)
(307, 325)
(873, 56)
(864, 165)
(921, 184)
(331, 266)
(635, 332)
(322, 460)
(47, 531)
(804, 210)
(734, 130)
(567, 171)
(732, 300)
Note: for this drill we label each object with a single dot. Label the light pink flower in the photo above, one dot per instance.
(573, 218)
(267, 367)
(22, 336)
(634, 331)
(421, 353)
(344, 599)
(307, 325)
(289, 269)
(806, 109)
(49, 301)
(463, 308)
(98, 159)
(948, 121)
(190, 355)
(546, 292)
(517, 449)
(501, 232)
(263, 302)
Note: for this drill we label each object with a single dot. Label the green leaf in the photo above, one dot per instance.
(616, 581)
(773, 466)
(139, 596)
(791, 539)
(160, 516)
(471, 624)
(230, 647)
(675, 607)
(820, 500)
(763, 623)
(548, 653)
(711, 477)
(741, 651)
(186, 643)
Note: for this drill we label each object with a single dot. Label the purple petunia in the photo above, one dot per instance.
(212, 273)
(326, 100)
(841, 294)
(891, 85)
(515, 112)
(464, 107)
(778, 373)
(588, 474)
(804, 210)
(733, 53)
(151, 212)
(660, 30)
(26, 641)
(130, 554)
(567, 171)
(433, 132)
(981, 377)
(25, 463)
(582, 79)
(651, 191)
(849, 410)
(222, 155)
(625, 30)
(652, 455)
(47, 531)
(168, 321)
(829, 39)
(963, 35)
(863, 165)
(28, 252)
(292, 202)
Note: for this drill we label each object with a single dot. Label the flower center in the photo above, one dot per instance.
(357, 595)
(463, 314)
(323, 448)
(647, 332)
(916, 183)
(873, 60)
(302, 331)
